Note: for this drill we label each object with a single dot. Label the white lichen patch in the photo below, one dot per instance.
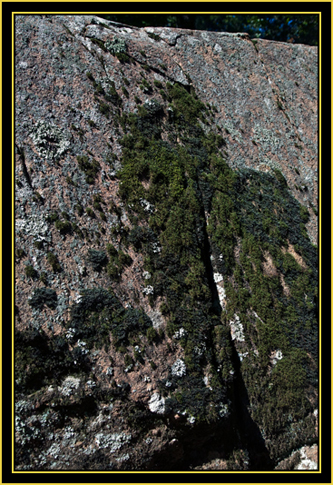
(82, 346)
(123, 458)
(222, 296)
(148, 290)
(200, 349)
(34, 226)
(178, 368)
(217, 277)
(70, 333)
(306, 463)
(179, 333)
(156, 403)
(147, 206)
(156, 248)
(242, 356)
(156, 318)
(276, 356)
(112, 441)
(49, 140)
(116, 45)
(237, 330)
(69, 385)
(223, 410)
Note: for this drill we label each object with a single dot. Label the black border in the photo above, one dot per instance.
(325, 114)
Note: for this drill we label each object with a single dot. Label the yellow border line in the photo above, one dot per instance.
(13, 233)
(57, 12)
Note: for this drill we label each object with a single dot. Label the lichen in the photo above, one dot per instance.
(51, 142)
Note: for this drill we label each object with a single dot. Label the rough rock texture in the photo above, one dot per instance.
(166, 223)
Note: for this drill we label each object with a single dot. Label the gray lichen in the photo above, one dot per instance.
(50, 141)
(116, 46)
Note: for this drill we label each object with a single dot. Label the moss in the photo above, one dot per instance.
(43, 296)
(188, 176)
(52, 259)
(99, 314)
(158, 84)
(90, 212)
(90, 168)
(99, 43)
(79, 209)
(125, 92)
(154, 36)
(151, 335)
(64, 227)
(30, 272)
(43, 278)
(118, 261)
(19, 253)
(97, 259)
(52, 217)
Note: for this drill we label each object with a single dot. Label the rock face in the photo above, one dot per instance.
(166, 260)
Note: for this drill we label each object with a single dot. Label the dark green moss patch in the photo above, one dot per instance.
(252, 211)
(43, 296)
(90, 168)
(100, 314)
(40, 360)
(97, 259)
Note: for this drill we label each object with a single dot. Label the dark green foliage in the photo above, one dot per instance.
(157, 83)
(90, 169)
(64, 227)
(97, 202)
(145, 86)
(118, 260)
(53, 217)
(154, 36)
(187, 107)
(123, 57)
(113, 96)
(52, 259)
(43, 296)
(128, 361)
(90, 76)
(125, 92)
(99, 314)
(30, 272)
(104, 109)
(305, 216)
(70, 181)
(19, 253)
(99, 89)
(252, 209)
(90, 212)
(280, 177)
(43, 277)
(40, 360)
(97, 259)
(151, 334)
(99, 43)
